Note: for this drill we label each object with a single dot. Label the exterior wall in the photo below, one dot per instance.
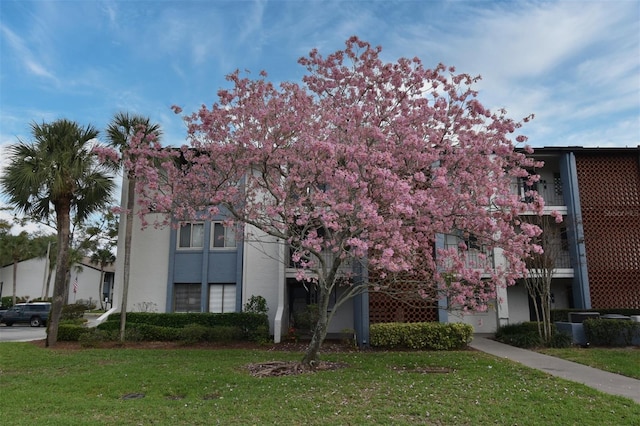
(31, 276)
(518, 304)
(263, 275)
(149, 266)
(482, 322)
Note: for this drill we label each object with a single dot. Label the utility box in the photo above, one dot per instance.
(616, 317)
(579, 317)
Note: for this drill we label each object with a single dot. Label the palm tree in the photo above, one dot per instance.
(122, 128)
(102, 257)
(59, 169)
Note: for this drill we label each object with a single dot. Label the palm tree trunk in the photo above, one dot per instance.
(63, 209)
(15, 281)
(127, 254)
(100, 286)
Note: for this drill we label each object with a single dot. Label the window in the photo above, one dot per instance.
(187, 298)
(223, 236)
(191, 235)
(222, 298)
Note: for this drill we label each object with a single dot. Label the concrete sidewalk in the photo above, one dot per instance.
(603, 381)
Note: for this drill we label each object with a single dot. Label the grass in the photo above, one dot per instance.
(201, 386)
(625, 361)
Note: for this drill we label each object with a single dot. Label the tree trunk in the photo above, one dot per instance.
(15, 281)
(50, 273)
(312, 353)
(100, 286)
(127, 254)
(63, 209)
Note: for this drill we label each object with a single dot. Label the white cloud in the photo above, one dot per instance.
(24, 54)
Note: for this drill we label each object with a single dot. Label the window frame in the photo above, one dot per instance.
(229, 236)
(191, 245)
(224, 288)
(197, 286)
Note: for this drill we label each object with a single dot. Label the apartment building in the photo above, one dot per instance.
(202, 266)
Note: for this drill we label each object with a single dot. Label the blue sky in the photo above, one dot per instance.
(574, 64)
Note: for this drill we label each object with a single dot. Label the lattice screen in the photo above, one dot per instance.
(401, 304)
(610, 198)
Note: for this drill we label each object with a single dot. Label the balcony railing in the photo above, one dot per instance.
(551, 192)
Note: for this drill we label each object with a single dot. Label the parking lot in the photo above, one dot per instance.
(21, 333)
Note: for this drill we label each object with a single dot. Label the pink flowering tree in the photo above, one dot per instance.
(364, 162)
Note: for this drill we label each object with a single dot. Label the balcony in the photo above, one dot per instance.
(551, 192)
(477, 257)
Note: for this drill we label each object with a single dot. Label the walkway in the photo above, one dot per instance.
(603, 381)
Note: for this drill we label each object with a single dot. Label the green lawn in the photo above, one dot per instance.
(625, 361)
(200, 386)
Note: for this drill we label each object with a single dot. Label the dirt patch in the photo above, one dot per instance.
(290, 368)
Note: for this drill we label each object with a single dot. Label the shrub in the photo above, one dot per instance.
(194, 333)
(94, 337)
(259, 334)
(306, 319)
(248, 322)
(561, 339)
(73, 311)
(526, 335)
(521, 335)
(71, 332)
(422, 335)
(256, 305)
(563, 314)
(610, 332)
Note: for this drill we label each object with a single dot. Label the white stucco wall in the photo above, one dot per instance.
(263, 272)
(518, 304)
(149, 265)
(31, 275)
(482, 322)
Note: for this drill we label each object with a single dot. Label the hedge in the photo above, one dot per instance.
(526, 335)
(244, 320)
(563, 314)
(204, 326)
(421, 335)
(611, 332)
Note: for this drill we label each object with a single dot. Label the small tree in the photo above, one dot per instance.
(541, 266)
(367, 162)
(120, 132)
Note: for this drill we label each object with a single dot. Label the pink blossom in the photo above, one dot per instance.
(361, 162)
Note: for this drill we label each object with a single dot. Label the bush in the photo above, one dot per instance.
(73, 311)
(93, 338)
(71, 332)
(525, 335)
(563, 314)
(522, 335)
(421, 335)
(610, 332)
(247, 322)
(561, 339)
(194, 333)
(256, 305)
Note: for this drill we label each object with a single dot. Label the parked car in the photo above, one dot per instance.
(35, 314)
